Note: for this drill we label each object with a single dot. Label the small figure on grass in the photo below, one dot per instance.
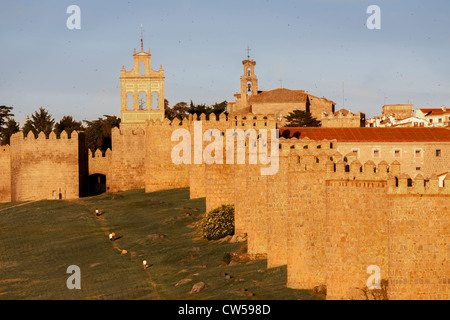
(145, 265)
(112, 236)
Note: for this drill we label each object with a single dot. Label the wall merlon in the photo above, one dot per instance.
(355, 170)
(403, 184)
(19, 137)
(5, 149)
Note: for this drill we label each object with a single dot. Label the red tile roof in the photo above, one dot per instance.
(283, 95)
(369, 134)
(280, 95)
(435, 112)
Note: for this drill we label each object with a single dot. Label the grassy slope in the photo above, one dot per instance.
(38, 241)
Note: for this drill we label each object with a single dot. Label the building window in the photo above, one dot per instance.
(356, 152)
(418, 168)
(438, 152)
(418, 153)
(376, 153)
(440, 120)
(431, 120)
(397, 153)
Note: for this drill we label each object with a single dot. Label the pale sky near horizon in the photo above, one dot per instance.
(309, 45)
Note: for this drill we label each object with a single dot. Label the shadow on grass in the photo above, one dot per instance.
(56, 234)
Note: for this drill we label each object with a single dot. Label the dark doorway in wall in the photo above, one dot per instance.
(97, 184)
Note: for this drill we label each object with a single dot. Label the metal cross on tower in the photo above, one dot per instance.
(142, 38)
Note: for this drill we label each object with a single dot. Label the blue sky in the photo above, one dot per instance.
(310, 45)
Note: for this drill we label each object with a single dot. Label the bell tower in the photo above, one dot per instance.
(249, 81)
(142, 90)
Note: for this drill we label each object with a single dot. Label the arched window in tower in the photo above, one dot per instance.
(249, 88)
(130, 101)
(155, 100)
(142, 68)
(142, 101)
(249, 72)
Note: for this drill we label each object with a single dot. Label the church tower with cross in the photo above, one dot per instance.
(280, 101)
(142, 90)
(249, 81)
(249, 87)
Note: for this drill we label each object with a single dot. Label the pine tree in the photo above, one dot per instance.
(300, 118)
(9, 128)
(41, 121)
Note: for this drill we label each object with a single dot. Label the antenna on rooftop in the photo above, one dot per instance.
(343, 94)
(281, 82)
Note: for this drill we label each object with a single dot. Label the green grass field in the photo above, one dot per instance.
(40, 240)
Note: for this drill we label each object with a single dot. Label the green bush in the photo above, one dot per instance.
(226, 258)
(218, 223)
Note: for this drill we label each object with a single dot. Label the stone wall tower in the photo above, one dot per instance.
(142, 91)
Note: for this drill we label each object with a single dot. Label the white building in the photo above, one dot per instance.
(438, 117)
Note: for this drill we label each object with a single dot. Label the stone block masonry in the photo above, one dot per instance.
(127, 168)
(45, 168)
(330, 220)
(5, 174)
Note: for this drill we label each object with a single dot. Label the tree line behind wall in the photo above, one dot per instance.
(97, 132)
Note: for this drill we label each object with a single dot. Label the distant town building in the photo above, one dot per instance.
(410, 122)
(343, 118)
(279, 101)
(398, 111)
(418, 150)
(438, 117)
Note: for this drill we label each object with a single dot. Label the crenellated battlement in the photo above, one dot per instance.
(41, 137)
(405, 185)
(257, 121)
(47, 167)
(127, 131)
(5, 150)
(341, 114)
(100, 154)
(307, 144)
(349, 170)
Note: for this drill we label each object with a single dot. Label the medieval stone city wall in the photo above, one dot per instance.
(45, 168)
(331, 220)
(127, 168)
(327, 215)
(5, 174)
(306, 217)
(356, 227)
(160, 171)
(100, 163)
(418, 231)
